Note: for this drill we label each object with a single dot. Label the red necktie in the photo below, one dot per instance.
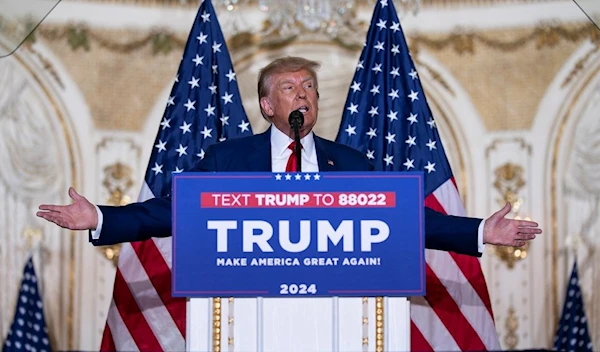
(291, 164)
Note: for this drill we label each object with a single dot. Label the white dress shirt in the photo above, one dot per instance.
(280, 153)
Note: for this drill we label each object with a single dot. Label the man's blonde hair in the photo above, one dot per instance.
(283, 65)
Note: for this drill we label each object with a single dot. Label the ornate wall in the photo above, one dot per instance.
(514, 86)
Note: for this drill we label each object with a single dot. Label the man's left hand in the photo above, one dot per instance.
(508, 232)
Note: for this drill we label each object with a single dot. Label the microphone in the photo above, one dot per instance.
(296, 121)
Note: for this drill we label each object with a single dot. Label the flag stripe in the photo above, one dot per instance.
(417, 340)
(108, 343)
(451, 315)
(137, 325)
(148, 299)
(160, 276)
(119, 331)
(431, 327)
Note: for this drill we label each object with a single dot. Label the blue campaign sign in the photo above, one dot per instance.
(298, 234)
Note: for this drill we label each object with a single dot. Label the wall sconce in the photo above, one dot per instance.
(117, 180)
(509, 181)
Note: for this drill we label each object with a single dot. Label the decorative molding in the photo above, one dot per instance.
(511, 339)
(216, 328)
(379, 325)
(543, 35)
(580, 65)
(425, 3)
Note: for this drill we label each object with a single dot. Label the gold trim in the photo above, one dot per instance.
(369, 3)
(543, 35)
(379, 325)
(216, 342)
(70, 143)
(553, 193)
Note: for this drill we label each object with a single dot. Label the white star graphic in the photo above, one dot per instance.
(317, 177)
(372, 132)
(394, 94)
(161, 146)
(181, 150)
(198, 60)
(388, 160)
(213, 88)
(384, 3)
(288, 177)
(431, 145)
(413, 74)
(409, 164)
(205, 17)
(185, 127)
(210, 110)
(412, 118)
(413, 95)
(202, 38)
(201, 154)
(431, 123)
(374, 90)
(190, 105)
(411, 141)
(298, 177)
(391, 138)
(194, 83)
(206, 132)
(394, 72)
(165, 123)
(370, 154)
(177, 78)
(381, 24)
(355, 87)
(171, 101)
(224, 120)
(215, 69)
(307, 177)
(430, 167)
(244, 126)
(396, 49)
(350, 130)
(377, 68)
(373, 111)
(216, 47)
(395, 26)
(177, 170)
(231, 75)
(353, 108)
(393, 115)
(360, 65)
(157, 169)
(278, 177)
(227, 98)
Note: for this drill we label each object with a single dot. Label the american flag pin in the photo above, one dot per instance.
(330, 162)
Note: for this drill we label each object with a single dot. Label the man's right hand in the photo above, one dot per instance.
(81, 215)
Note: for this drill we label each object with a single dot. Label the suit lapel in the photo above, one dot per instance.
(326, 163)
(259, 159)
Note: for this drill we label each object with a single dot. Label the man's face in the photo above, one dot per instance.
(291, 91)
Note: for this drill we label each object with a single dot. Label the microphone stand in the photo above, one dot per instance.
(297, 148)
(296, 120)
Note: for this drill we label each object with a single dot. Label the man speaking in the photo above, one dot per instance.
(286, 85)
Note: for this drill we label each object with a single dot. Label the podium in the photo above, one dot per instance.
(298, 262)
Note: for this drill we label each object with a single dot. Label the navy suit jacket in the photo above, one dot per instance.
(152, 218)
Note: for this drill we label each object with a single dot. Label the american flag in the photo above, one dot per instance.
(28, 331)
(573, 333)
(387, 117)
(204, 108)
